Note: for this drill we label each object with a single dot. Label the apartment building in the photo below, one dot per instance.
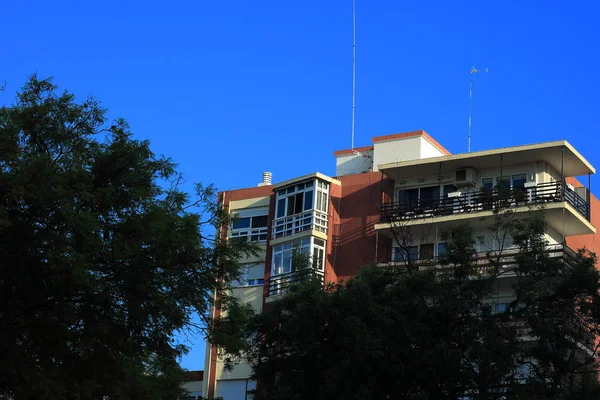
(405, 183)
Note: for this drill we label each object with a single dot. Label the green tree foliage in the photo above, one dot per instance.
(433, 332)
(103, 255)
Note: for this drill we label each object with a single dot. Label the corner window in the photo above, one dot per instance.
(299, 254)
(295, 199)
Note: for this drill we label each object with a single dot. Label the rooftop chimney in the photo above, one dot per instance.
(266, 179)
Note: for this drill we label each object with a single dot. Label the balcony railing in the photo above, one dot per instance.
(280, 284)
(485, 200)
(305, 221)
(503, 260)
(250, 234)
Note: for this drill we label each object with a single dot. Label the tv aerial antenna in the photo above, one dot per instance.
(472, 73)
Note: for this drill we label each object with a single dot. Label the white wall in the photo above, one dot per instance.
(397, 150)
(194, 388)
(234, 389)
(428, 150)
(348, 164)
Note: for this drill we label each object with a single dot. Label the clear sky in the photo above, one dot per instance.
(229, 89)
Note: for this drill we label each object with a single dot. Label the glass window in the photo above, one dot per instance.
(448, 189)
(308, 200)
(441, 249)
(241, 223)
(487, 183)
(518, 181)
(501, 307)
(503, 182)
(408, 197)
(426, 252)
(324, 203)
(259, 221)
(318, 258)
(280, 208)
(429, 195)
(291, 203)
(411, 253)
(299, 200)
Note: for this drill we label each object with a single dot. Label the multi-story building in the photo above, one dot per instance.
(393, 202)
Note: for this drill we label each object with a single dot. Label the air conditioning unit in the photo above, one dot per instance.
(464, 177)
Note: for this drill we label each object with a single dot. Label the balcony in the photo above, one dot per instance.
(281, 284)
(494, 199)
(306, 221)
(504, 261)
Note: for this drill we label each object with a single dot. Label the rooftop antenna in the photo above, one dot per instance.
(353, 66)
(472, 72)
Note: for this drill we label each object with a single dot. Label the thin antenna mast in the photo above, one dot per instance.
(353, 66)
(472, 72)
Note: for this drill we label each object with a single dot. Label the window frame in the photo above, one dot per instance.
(319, 199)
(244, 281)
(305, 245)
(251, 231)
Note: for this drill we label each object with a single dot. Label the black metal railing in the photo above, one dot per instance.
(484, 200)
(495, 258)
(280, 284)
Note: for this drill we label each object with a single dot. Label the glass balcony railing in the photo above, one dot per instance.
(485, 200)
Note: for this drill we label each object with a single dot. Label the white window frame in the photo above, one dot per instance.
(250, 232)
(244, 281)
(313, 218)
(306, 245)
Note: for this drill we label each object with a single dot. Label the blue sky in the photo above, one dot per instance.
(229, 89)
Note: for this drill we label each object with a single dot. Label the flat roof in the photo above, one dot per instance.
(558, 154)
(304, 178)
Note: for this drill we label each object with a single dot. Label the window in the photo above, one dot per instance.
(310, 249)
(518, 181)
(503, 182)
(250, 225)
(318, 256)
(408, 198)
(429, 195)
(441, 249)
(426, 251)
(251, 274)
(501, 307)
(283, 255)
(421, 197)
(411, 253)
(487, 183)
(301, 197)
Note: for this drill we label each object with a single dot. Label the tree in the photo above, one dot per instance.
(431, 331)
(103, 255)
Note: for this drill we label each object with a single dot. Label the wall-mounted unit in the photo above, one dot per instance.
(464, 177)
